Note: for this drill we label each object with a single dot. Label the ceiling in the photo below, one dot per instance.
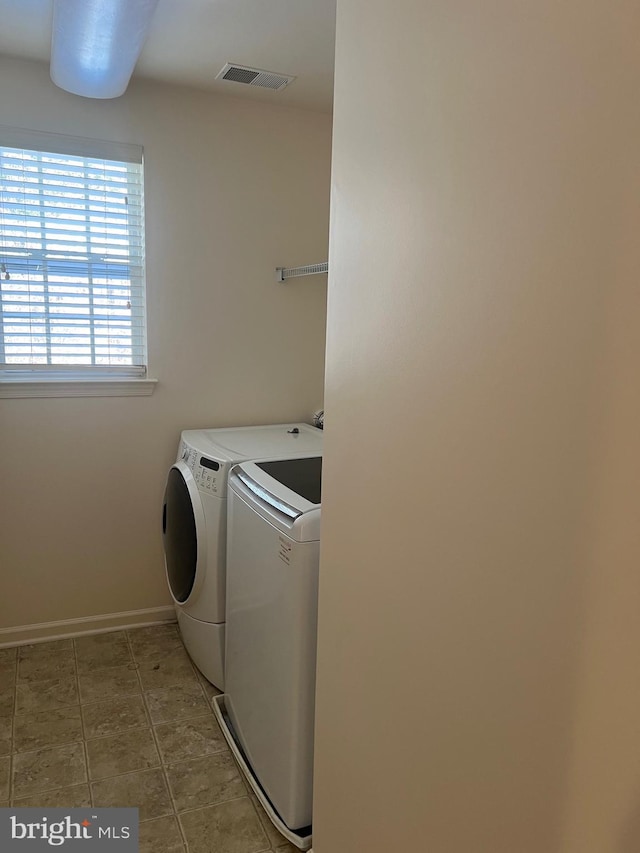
(191, 40)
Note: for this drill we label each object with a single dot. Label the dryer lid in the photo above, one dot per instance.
(287, 491)
(302, 476)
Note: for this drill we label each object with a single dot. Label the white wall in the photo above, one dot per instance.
(479, 642)
(233, 189)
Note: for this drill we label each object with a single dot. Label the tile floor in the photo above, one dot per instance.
(124, 719)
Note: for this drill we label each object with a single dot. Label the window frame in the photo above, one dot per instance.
(52, 380)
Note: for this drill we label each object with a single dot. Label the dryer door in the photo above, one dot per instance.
(183, 531)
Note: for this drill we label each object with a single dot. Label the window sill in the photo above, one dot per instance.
(77, 387)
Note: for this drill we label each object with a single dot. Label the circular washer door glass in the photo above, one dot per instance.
(180, 537)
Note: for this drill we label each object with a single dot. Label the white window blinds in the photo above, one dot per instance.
(72, 295)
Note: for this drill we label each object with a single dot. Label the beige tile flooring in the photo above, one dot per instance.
(124, 719)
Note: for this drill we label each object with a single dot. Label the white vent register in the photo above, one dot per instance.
(254, 77)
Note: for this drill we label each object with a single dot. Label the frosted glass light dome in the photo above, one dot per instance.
(95, 44)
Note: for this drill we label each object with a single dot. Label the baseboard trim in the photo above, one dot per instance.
(22, 634)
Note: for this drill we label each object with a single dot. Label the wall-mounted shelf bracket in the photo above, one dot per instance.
(283, 273)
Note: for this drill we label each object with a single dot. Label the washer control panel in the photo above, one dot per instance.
(188, 454)
(206, 472)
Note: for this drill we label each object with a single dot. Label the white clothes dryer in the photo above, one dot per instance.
(194, 526)
(272, 605)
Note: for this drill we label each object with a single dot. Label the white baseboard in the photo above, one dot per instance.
(22, 634)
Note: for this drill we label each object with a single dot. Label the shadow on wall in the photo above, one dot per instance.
(630, 841)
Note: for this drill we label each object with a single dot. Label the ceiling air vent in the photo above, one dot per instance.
(254, 77)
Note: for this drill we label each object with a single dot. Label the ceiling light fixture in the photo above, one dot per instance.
(95, 44)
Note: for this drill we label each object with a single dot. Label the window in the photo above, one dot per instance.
(72, 294)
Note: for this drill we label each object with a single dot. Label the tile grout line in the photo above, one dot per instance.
(155, 740)
(255, 806)
(13, 727)
(164, 766)
(120, 731)
(136, 728)
(84, 739)
(76, 784)
(208, 704)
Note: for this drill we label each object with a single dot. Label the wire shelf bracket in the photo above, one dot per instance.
(283, 273)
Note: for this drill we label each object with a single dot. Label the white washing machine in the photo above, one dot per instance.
(272, 603)
(194, 524)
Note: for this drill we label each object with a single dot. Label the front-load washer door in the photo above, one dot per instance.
(184, 534)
